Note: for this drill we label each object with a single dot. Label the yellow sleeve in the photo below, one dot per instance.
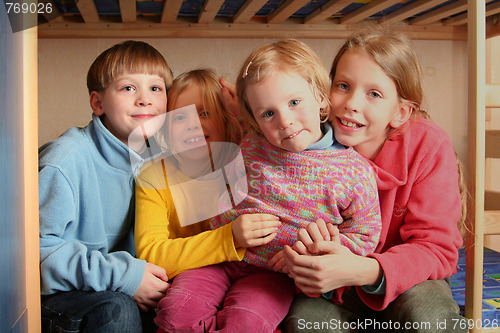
(160, 240)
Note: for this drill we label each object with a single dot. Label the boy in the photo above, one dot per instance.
(90, 280)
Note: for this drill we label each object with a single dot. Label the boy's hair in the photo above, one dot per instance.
(393, 51)
(130, 56)
(211, 91)
(286, 56)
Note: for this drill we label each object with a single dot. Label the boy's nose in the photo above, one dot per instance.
(143, 99)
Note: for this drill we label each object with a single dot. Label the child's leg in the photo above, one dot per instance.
(85, 311)
(427, 307)
(193, 299)
(318, 314)
(257, 301)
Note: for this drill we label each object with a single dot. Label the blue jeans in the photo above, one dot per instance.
(84, 311)
(427, 307)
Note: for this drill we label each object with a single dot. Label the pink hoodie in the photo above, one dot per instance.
(417, 179)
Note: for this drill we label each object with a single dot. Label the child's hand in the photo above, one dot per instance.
(152, 288)
(251, 230)
(317, 238)
(229, 97)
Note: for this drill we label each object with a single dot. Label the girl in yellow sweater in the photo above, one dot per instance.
(161, 235)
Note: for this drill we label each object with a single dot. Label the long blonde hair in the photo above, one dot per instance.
(393, 51)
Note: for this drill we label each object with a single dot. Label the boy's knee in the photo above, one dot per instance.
(116, 312)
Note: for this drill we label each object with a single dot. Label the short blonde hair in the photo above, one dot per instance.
(288, 56)
(211, 91)
(130, 56)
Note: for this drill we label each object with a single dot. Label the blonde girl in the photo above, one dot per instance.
(295, 170)
(376, 97)
(160, 236)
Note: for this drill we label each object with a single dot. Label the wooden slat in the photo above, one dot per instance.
(476, 160)
(493, 26)
(367, 10)
(492, 202)
(248, 10)
(491, 9)
(493, 95)
(182, 29)
(209, 10)
(285, 10)
(492, 222)
(327, 10)
(128, 11)
(410, 10)
(492, 146)
(88, 11)
(170, 10)
(55, 15)
(440, 13)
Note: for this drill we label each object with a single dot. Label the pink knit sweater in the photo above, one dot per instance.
(335, 185)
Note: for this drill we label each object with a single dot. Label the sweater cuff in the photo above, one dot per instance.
(376, 290)
(137, 270)
(233, 253)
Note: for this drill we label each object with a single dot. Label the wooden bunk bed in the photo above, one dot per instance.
(425, 19)
(483, 97)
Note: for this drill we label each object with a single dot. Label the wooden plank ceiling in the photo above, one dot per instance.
(424, 19)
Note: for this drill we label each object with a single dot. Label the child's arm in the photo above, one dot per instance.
(360, 231)
(74, 254)
(161, 240)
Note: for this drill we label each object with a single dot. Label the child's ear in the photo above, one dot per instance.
(96, 103)
(402, 115)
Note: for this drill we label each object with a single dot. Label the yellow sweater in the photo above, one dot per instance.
(159, 237)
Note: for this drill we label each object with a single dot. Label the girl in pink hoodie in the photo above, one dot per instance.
(376, 96)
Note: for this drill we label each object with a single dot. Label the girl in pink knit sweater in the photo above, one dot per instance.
(296, 171)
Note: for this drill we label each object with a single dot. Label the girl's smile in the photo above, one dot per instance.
(366, 103)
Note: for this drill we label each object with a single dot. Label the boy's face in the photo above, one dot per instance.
(129, 101)
(286, 110)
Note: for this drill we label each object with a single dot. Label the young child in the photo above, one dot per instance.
(90, 280)
(162, 236)
(376, 97)
(294, 168)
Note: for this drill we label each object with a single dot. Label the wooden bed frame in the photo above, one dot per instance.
(482, 145)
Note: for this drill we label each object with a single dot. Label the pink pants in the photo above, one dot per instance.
(228, 297)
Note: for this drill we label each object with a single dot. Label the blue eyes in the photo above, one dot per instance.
(179, 117)
(342, 86)
(268, 114)
(132, 88)
(345, 86)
